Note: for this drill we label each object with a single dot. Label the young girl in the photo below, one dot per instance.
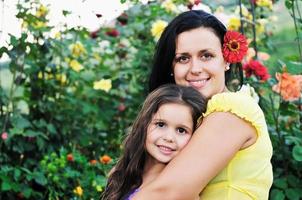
(161, 130)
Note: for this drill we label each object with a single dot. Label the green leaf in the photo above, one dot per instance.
(6, 186)
(293, 194)
(40, 178)
(277, 194)
(297, 153)
(280, 183)
(20, 122)
(289, 4)
(17, 174)
(294, 67)
(27, 192)
(292, 180)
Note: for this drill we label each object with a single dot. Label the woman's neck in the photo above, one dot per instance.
(152, 169)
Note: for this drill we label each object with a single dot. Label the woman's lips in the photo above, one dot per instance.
(198, 84)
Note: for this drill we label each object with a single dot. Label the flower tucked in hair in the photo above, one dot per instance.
(234, 47)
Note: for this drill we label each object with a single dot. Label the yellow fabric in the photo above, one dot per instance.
(249, 174)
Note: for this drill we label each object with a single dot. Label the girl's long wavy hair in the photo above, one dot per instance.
(128, 172)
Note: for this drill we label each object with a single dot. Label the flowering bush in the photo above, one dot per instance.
(74, 93)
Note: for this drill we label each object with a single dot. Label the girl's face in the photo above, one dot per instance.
(169, 131)
(199, 61)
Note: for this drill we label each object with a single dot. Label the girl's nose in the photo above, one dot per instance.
(168, 136)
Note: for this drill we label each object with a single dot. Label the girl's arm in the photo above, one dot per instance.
(211, 148)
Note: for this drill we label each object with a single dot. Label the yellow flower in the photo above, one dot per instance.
(77, 49)
(169, 6)
(99, 188)
(24, 25)
(245, 12)
(78, 190)
(39, 24)
(97, 56)
(62, 78)
(75, 65)
(157, 28)
(234, 23)
(41, 11)
(57, 35)
(265, 3)
(103, 84)
(40, 75)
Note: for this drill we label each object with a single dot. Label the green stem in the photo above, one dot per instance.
(296, 28)
(254, 30)
(10, 100)
(241, 16)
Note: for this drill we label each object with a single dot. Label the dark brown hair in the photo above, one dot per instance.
(166, 46)
(127, 174)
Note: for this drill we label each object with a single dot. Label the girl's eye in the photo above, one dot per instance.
(182, 131)
(182, 59)
(160, 124)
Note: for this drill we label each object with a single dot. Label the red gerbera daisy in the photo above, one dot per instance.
(234, 47)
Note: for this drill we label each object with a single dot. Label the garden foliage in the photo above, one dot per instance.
(68, 96)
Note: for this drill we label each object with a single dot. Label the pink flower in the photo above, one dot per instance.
(4, 136)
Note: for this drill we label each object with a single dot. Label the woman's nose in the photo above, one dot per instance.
(196, 66)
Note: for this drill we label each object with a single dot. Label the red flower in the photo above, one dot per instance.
(196, 2)
(254, 67)
(94, 34)
(70, 157)
(113, 33)
(234, 47)
(123, 19)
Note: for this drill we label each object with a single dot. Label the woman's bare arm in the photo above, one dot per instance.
(212, 146)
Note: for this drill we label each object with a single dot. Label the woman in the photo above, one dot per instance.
(228, 157)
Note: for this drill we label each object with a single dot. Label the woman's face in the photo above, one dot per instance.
(199, 61)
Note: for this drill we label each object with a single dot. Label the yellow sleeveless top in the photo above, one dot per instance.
(249, 174)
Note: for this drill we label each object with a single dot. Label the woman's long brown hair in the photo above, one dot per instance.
(128, 172)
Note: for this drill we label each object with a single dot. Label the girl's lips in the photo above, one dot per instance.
(165, 150)
(198, 84)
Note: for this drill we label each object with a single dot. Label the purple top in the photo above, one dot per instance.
(132, 194)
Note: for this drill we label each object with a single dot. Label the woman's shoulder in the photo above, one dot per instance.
(238, 101)
(241, 104)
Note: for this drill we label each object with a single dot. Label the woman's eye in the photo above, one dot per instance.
(182, 59)
(160, 124)
(206, 56)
